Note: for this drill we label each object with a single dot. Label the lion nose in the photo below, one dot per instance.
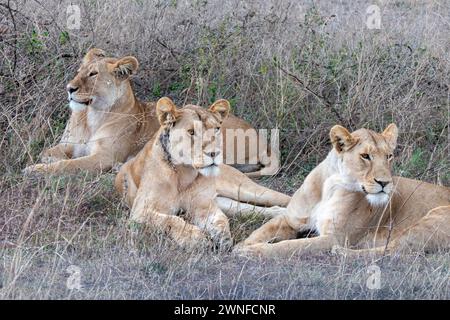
(71, 88)
(213, 154)
(382, 183)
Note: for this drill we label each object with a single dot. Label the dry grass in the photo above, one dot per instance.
(301, 68)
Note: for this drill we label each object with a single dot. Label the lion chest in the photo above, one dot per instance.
(79, 135)
(332, 211)
(322, 217)
(87, 130)
(81, 150)
(81, 145)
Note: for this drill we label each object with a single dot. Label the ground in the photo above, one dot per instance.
(67, 225)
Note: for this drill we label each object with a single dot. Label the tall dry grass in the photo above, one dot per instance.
(298, 66)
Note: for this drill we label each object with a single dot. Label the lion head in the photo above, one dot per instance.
(192, 136)
(100, 81)
(364, 159)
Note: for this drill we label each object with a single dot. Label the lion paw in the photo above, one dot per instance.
(34, 170)
(195, 238)
(247, 251)
(342, 251)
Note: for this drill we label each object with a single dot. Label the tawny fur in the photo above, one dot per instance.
(157, 185)
(343, 202)
(109, 125)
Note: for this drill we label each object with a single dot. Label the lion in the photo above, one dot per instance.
(109, 125)
(351, 200)
(180, 171)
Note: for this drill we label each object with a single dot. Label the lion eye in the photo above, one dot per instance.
(390, 156)
(93, 74)
(365, 156)
(191, 132)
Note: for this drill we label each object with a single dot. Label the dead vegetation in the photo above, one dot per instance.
(297, 66)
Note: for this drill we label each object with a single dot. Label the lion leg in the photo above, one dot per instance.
(216, 224)
(429, 234)
(265, 165)
(232, 208)
(59, 152)
(254, 174)
(95, 163)
(247, 169)
(288, 248)
(277, 229)
(233, 184)
(183, 233)
(269, 166)
(356, 253)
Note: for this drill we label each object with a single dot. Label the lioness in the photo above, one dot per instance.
(176, 173)
(109, 125)
(351, 199)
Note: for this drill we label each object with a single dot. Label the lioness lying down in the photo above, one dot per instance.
(109, 125)
(180, 171)
(351, 199)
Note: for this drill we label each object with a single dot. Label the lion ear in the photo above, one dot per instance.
(391, 135)
(221, 107)
(341, 138)
(93, 54)
(125, 67)
(167, 111)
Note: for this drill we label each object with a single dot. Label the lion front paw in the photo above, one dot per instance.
(195, 239)
(338, 250)
(35, 169)
(248, 251)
